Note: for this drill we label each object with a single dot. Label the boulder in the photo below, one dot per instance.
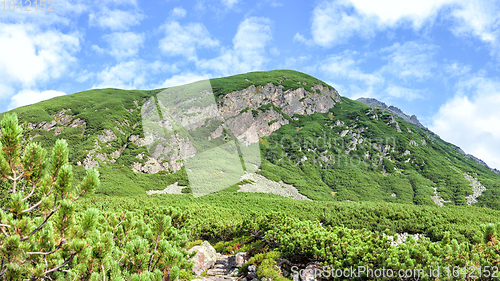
(205, 257)
(238, 259)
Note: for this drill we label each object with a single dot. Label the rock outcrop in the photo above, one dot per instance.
(248, 114)
(205, 257)
(394, 110)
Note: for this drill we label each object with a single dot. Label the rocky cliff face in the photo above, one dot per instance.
(240, 109)
(249, 114)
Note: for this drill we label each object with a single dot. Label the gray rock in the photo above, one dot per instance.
(77, 122)
(392, 109)
(238, 259)
(252, 268)
(107, 136)
(251, 275)
(205, 257)
(234, 272)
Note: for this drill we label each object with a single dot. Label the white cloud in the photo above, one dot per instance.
(300, 38)
(125, 75)
(179, 12)
(479, 18)
(182, 79)
(456, 69)
(26, 97)
(115, 19)
(229, 3)
(249, 49)
(410, 61)
(133, 74)
(334, 23)
(124, 44)
(404, 93)
(471, 119)
(45, 55)
(391, 12)
(184, 40)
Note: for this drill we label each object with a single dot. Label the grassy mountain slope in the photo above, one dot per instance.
(351, 152)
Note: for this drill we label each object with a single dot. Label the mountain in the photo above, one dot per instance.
(394, 110)
(279, 127)
(413, 119)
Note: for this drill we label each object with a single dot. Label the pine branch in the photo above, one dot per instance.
(153, 254)
(41, 200)
(3, 230)
(32, 191)
(63, 264)
(41, 225)
(103, 272)
(63, 242)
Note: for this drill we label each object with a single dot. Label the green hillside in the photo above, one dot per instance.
(365, 173)
(370, 175)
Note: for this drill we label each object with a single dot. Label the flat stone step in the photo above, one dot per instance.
(216, 271)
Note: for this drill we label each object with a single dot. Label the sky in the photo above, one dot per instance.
(437, 59)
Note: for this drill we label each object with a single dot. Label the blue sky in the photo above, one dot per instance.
(437, 59)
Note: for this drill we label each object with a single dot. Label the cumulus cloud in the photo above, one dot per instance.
(249, 49)
(184, 40)
(392, 12)
(26, 97)
(123, 44)
(179, 12)
(471, 119)
(115, 19)
(45, 55)
(334, 23)
(125, 75)
(133, 74)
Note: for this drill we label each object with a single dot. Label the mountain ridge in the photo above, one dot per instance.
(372, 102)
(290, 113)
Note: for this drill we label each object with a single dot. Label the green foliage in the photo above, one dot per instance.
(115, 236)
(40, 207)
(47, 239)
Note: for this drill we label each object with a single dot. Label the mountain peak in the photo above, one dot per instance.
(394, 110)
